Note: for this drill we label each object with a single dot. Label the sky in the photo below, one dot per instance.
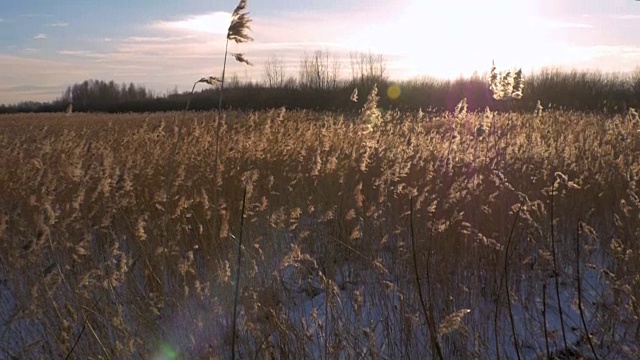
(47, 45)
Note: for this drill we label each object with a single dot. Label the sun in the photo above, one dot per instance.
(448, 39)
(465, 36)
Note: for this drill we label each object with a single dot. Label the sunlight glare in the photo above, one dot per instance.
(448, 39)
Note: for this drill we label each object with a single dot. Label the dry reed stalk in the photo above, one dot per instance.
(544, 320)
(371, 115)
(555, 261)
(117, 157)
(579, 281)
(426, 312)
(506, 283)
(238, 270)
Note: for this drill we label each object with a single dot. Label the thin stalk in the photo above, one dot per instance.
(579, 280)
(431, 324)
(544, 319)
(169, 178)
(224, 69)
(239, 267)
(104, 349)
(219, 118)
(327, 318)
(84, 326)
(555, 270)
(261, 345)
(428, 319)
(496, 314)
(186, 108)
(506, 283)
(177, 143)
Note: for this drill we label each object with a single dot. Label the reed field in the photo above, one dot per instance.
(384, 235)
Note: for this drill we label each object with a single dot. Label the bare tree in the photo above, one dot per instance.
(274, 72)
(368, 68)
(290, 83)
(234, 81)
(319, 71)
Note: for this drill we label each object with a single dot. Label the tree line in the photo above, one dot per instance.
(318, 86)
(89, 95)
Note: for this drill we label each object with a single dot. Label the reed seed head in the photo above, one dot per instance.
(539, 108)
(506, 86)
(239, 28)
(354, 95)
(240, 58)
(211, 80)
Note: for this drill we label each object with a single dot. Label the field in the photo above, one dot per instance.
(456, 236)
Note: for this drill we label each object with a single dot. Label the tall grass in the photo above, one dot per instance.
(100, 258)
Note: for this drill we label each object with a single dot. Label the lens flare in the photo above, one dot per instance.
(165, 352)
(393, 92)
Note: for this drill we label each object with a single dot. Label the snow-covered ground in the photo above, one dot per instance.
(357, 310)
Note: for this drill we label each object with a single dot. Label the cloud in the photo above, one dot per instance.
(37, 15)
(626, 17)
(567, 25)
(16, 94)
(29, 88)
(178, 51)
(195, 44)
(40, 36)
(157, 39)
(37, 79)
(622, 51)
(82, 54)
(164, 49)
(212, 23)
(606, 58)
(59, 24)
(289, 35)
